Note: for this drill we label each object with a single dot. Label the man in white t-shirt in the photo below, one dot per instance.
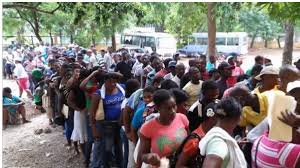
(22, 78)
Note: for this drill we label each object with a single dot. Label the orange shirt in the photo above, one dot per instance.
(191, 146)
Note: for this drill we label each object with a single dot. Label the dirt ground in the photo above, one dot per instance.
(22, 148)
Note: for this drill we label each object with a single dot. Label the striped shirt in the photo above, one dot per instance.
(274, 154)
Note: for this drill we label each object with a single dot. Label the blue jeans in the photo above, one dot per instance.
(125, 150)
(69, 125)
(90, 140)
(108, 149)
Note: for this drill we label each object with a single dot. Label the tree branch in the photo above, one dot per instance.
(32, 8)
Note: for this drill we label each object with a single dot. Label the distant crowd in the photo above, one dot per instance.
(132, 110)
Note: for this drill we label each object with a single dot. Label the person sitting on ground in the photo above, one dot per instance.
(161, 136)
(190, 150)
(193, 88)
(12, 106)
(218, 146)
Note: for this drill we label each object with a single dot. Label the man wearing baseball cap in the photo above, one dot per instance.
(269, 79)
(171, 70)
(225, 71)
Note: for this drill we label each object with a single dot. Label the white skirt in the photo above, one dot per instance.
(80, 130)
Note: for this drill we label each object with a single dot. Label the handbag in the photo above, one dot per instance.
(100, 111)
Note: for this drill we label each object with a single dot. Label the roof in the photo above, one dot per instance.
(150, 34)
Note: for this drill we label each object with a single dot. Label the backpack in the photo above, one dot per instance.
(195, 162)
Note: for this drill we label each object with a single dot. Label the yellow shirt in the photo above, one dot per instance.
(249, 116)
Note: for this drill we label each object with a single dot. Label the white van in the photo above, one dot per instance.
(236, 42)
(162, 43)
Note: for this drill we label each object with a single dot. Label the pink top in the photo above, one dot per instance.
(237, 71)
(162, 73)
(29, 66)
(166, 139)
(271, 153)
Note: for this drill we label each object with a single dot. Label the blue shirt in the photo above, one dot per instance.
(209, 66)
(135, 101)
(112, 105)
(137, 120)
(150, 77)
(11, 101)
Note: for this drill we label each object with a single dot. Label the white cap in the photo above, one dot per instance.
(268, 70)
(293, 85)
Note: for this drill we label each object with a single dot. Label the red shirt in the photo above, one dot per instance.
(191, 146)
(205, 76)
(161, 73)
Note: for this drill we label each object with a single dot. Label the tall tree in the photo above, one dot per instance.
(288, 13)
(31, 13)
(211, 17)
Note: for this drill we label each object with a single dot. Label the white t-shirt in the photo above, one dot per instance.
(169, 76)
(93, 60)
(20, 72)
(176, 80)
(108, 60)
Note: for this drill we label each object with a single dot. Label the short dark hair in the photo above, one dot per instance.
(152, 58)
(131, 86)
(209, 85)
(168, 84)
(212, 71)
(110, 75)
(242, 77)
(157, 79)
(6, 90)
(258, 58)
(166, 62)
(160, 96)
(228, 107)
(149, 89)
(179, 95)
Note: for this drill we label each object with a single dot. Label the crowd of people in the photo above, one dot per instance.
(131, 110)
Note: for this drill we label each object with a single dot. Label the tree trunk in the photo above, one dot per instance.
(93, 41)
(113, 42)
(211, 29)
(51, 38)
(287, 55)
(252, 41)
(71, 39)
(266, 43)
(60, 37)
(37, 35)
(278, 42)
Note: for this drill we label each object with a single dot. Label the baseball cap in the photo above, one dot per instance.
(268, 70)
(89, 50)
(224, 65)
(172, 64)
(297, 62)
(293, 85)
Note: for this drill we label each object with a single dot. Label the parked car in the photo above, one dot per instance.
(190, 50)
(132, 50)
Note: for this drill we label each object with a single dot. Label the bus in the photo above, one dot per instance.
(231, 42)
(161, 43)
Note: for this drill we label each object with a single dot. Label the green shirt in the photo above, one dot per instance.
(218, 146)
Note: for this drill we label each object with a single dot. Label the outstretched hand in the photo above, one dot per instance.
(290, 118)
